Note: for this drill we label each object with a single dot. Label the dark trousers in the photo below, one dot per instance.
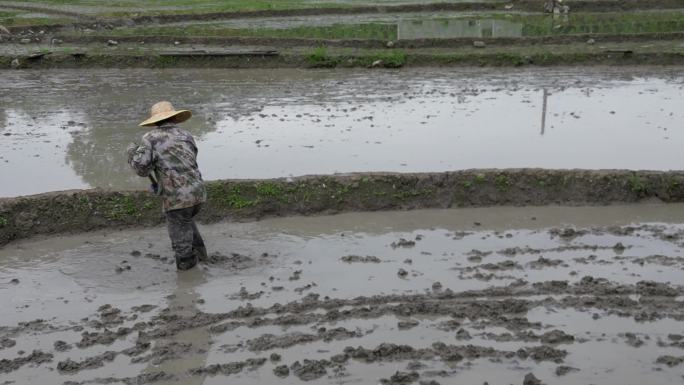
(185, 237)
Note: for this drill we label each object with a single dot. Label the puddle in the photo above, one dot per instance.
(63, 129)
(367, 304)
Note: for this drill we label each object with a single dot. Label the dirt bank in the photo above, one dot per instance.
(86, 210)
(374, 43)
(525, 56)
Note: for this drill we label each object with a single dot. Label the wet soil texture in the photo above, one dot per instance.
(64, 129)
(504, 295)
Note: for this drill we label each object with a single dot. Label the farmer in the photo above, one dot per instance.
(171, 153)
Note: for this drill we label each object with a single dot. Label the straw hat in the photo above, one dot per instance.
(164, 111)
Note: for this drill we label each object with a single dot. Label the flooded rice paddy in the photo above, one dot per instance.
(572, 295)
(65, 129)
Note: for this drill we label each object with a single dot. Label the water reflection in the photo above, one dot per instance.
(448, 28)
(183, 303)
(69, 129)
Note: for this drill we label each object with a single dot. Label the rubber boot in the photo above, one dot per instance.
(186, 263)
(201, 253)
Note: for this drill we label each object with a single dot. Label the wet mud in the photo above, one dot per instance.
(566, 298)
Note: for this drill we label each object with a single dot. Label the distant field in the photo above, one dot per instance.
(144, 7)
(351, 28)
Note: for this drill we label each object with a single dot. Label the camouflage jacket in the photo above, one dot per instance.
(171, 153)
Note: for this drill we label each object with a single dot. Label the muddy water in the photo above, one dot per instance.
(67, 129)
(613, 331)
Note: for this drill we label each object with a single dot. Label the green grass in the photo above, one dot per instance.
(336, 31)
(120, 208)
(583, 23)
(10, 19)
(159, 7)
(636, 185)
(319, 57)
(502, 183)
(3, 221)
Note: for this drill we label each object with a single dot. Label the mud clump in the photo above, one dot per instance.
(401, 378)
(229, 368)
(530, 379)
(309, 370)
(551, 286)
(143, 308)
(670, 360)
(383, 352)
(556, 337)
(543, 353)
(6, 343)
(545, 262)
(655, 289)
(403, 243)
(169, 351)
(61, 346)
(233, 261)
(475, 255)
(36, 357)
(141, 379)
(69, 366)
(224, 327)
(281, 371)
(505, 265)
(359, 259)
(563, 370)
(567, 233)
(405, 325)
(244, 295)
(139, 348)
(88, 339)
(109, 316)
(270, 341)
(296, 275)
(633, 340)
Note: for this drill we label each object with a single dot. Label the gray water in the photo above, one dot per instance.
(65, 129)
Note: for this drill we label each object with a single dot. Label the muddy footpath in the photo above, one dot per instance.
(555, 295)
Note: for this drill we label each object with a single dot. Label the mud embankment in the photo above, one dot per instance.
(519, 5)
(380, 59)
(464, 42)
(86, 210)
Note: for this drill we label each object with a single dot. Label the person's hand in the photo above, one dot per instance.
(130, 150)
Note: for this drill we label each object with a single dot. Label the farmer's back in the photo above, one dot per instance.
(174, 155)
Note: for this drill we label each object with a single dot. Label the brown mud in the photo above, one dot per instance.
(75, 211)
(360, 322)
(235, 59)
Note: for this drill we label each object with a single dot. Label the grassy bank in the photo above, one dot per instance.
(247, 199)
(336, 31)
